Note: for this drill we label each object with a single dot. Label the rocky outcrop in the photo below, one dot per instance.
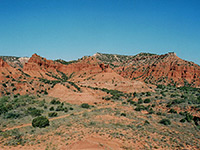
(15, 62)
(162, 69)
(3, 63)
(39, 66)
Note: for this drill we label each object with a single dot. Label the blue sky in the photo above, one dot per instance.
(70, 29)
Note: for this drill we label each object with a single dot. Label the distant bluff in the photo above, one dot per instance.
(149, 68)
(154, 69)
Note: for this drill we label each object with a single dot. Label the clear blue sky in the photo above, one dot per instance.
(70, 29)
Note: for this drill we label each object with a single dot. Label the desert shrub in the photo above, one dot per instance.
(169, 105)
(146, 122)
(188, 117)
(182, 120)
(45, 92)
(148, 94)
(140, 107)
(115, 93)
(52, 114)
(151, 111)
(71, 108)
(194, 101)
(66, 109)
(163, 94)
(159, 113)
(7, 93)
(60, 108)
(85, 105)
(123, 114)
(178, 101)
(147, 100)
(41, 103)
(54, 102)
(196, 120)
(140, 101)
(12, 115)
(15, 96)
(160, 86)
(132, 102)
(14, 89)
(107, 98)
(124, 103)
(165, 122)
(34, 112)
(4, 99)
(40, 122)
(4, 85)
(51, 108)
(172, 111)
(182, 113)
(173, 95)
(76, 86)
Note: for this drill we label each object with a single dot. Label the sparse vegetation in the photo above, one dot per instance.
(166, 117)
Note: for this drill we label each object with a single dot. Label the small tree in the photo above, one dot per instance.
(165, 121)
(147, 100)
(40, 122)
(85, 105)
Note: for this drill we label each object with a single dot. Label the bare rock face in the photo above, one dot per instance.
(39, 66)
(23, 60)
(36, 62)
(15, 62)
(3, 63)
(162, 69)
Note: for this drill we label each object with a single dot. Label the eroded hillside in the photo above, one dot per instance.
(103, 101)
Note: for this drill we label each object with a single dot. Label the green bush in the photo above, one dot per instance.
(140, 101)
(165, 121)
(146, 122)
(54, 102)
(182, 120)
(85, 105)
(188, 117)
(132, 102)
(60, 108)
(11, 115)
(159, 113)
(169, 105)
(148, 94)
(34, 112)
(140, 107)
(123, 114)
(160, 86)
(147, 100)
(45, 92)
(51, 108)
(151, 111)
(172, 111)
(66, 109)
(4, 85)
(71, 108)
(52, 114)
(40, 122)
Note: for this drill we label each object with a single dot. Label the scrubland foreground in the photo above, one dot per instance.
(100, 102)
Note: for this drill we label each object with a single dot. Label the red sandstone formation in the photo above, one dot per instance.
(38, 66)
(162, 69)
